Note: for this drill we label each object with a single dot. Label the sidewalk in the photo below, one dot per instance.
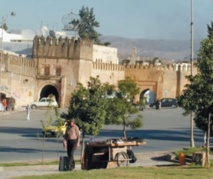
(143, 159)
(2, 113)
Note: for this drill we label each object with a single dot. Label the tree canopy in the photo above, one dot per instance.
(198, 94)
(87, 105)
(121, 109)
(86, 25)
(210, 30)
(92, 107)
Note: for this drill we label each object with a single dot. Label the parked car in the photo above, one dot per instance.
(57, 128)
(44, 102)
(166, 102)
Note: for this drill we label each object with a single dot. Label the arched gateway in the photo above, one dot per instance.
(149, 95)
(49, 89)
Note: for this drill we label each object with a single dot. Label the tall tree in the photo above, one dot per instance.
(87, 106)
(121, 109)
(198, 95)
(86, 25)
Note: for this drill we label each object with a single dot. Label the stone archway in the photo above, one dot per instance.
(11, 102)
(149, 95)
(49, 89)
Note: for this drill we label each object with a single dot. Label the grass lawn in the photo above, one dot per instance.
(171, 172)
(134, 172)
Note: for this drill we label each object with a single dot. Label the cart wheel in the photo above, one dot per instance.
(122, 159)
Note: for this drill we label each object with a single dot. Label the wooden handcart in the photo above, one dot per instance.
(108, 154)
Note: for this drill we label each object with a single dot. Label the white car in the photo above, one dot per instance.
(45, 102)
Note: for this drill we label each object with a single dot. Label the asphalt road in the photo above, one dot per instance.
(163, 130)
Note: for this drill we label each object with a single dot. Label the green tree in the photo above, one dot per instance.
(87, 106)
(121, 109)
(86, 25)
(198, 95)
(4, 26)
(203, 82)
(210, 30)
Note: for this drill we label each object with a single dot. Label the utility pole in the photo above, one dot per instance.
(192, 144)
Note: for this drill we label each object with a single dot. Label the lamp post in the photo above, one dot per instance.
(3, 22)
(192, 57)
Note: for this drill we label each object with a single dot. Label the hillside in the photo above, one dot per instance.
(146, 48)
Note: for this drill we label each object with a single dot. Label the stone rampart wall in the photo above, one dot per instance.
(63, 63)
(18, 78)
(164, 81)
(111, 73)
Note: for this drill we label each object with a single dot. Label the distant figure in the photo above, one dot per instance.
(157, 104)
(4, 102)
(28, 109)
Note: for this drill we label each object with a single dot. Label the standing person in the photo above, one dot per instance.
(71, 141)
(28, 109)
(4, 102)
(157, 104)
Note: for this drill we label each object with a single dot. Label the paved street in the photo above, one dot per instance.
(164, 130)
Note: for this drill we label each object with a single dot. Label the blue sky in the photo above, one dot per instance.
(147, 19)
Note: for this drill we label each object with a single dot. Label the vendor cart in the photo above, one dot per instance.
(108, 154)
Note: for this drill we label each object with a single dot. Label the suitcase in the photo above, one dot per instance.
(64, 163)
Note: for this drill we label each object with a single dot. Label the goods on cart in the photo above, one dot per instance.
(110, 153)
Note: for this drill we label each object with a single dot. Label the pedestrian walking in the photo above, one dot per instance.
(28, 109)
(71, 141)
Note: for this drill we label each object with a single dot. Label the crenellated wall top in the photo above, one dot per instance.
(41, 40)
(168, 67)
(65, 48)
(99, 65)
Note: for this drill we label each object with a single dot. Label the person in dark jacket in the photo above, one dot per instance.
(157, 104)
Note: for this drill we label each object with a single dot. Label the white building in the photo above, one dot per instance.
(21, 42)
(105, 54)
(7, 37)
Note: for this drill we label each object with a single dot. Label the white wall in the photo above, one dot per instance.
(105, 54)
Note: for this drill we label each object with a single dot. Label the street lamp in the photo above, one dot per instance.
(3, 22)
(192, 144)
